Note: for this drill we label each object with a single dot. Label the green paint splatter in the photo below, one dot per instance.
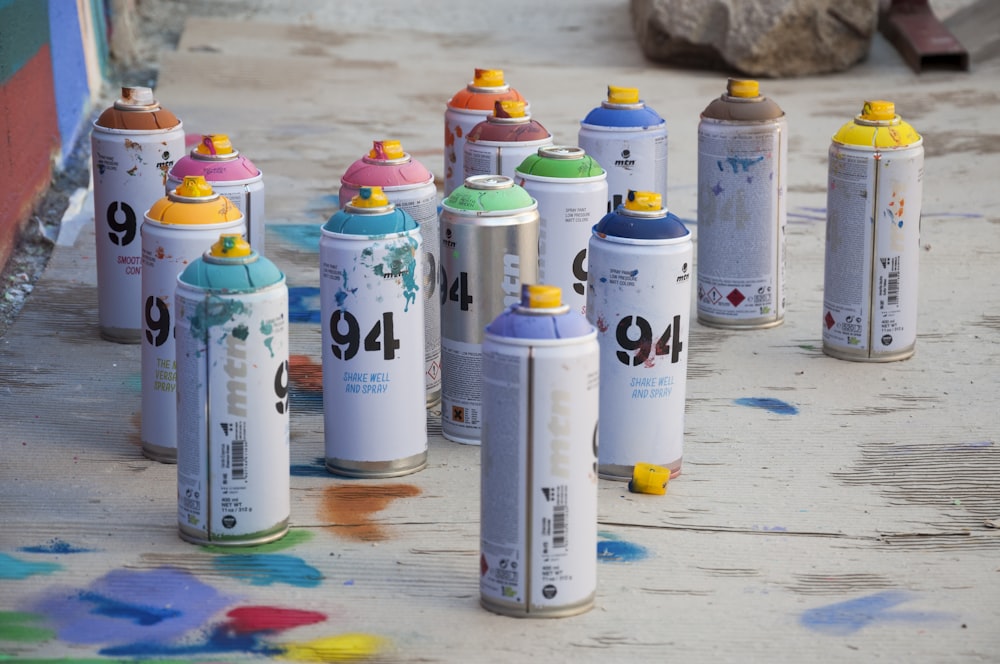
(212, 311)
(17, 569)
(268, 344)
(241, 332)
(24, 627)
(294, 537)
(266, 328)
(400, 261)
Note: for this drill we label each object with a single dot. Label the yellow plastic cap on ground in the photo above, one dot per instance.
(387, 150)
(370, 197)
(878, 111)
(194, 186)
(540, 296)
(213, 144)
(488, 78)
(646, 201)
(742, 87)
(649, 478)
(617, 95)
(231, 245)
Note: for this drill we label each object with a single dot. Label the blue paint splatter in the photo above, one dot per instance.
(776, 406)
(304, 304)
(54, 546)
(315, 469)
(737, 163)
(848, 617)
(616, 550)
(303, 401)
(268, 569)
(14, 568)
(302, 236)
(134, 613)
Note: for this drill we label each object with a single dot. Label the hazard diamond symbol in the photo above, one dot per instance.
(735, 297)
(714, 296)
(828, 319)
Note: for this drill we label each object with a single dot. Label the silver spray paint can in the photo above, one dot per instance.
(233, 485)
(489, 247)
(178, 229)
(375, 419)
(572, 191)
(639, 298)
(133, 145)
(538, 508)
(498, 144)
(876, 174)
(742, 174)
(408, 185)
(231, 174)
(629, 140)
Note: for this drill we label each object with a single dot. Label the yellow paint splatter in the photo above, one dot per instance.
(341, 648)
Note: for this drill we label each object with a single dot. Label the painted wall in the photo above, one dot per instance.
(52, 57)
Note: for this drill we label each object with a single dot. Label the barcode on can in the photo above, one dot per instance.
(239, 460)
(559, 514)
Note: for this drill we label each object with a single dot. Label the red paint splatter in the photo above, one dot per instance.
(305, 374)
(253, 619)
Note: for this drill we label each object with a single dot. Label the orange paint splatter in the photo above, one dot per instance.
(306, 374)
(349, 508)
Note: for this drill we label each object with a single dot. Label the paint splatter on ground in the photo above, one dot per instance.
(17, 569)
(315, 469)
(341, 648)
(306, 377)
(20, 627)
(848, 617)
(350, 508)
(56, 546)
(776, 406)
(304, 304)
(612, 549)
(268, 569)
(295, 537)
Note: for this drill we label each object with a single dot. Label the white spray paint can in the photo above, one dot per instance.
(233, 484)
(374, 413)
(178, 229)
(742, 174)
(410, 187)
(133, 145)
(639, 298)
(572, 190)
(538, 508)
(871, 272)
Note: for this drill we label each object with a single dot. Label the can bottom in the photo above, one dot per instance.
(525, 611)
(375, 469)
(460, 439)
(121, 335)
(433, 399)
(864, 356)
(159, 453)
(739, 324)
(622, 473)
(269, 535)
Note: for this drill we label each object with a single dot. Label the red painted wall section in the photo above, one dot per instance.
(28, 143)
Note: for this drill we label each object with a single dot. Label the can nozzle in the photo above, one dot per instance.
(619, 95)
(646, 201)
(488, 78)
(508, 108)
(386, 150)
(137, 96)
(230, 245)
(214, 144)
(540, 296)
(370, 197)
(878, 111)
(194, 186)
(649, 478)
(742, 87)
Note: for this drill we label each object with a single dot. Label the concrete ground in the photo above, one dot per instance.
(827, 510)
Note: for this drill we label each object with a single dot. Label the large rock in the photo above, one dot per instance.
(767, 38)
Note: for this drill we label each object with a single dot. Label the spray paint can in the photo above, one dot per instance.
(489, 247)
(233, 485)
(498, 144)
(410, 187)
(639, 298)
(133, 145)
(876, 174)
(538, 510)
(629, 139)
(231, 174)
(467, 108)
(175, 231)
(373, 339)
(572, 191)
(742, 174)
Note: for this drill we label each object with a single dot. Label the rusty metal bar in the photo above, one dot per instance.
(922, 40)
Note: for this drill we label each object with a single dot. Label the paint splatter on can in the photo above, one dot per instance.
(467, 108)
(874, 194)
(233, 484)
(375, 420)
(742, 174)
(629, 140)
(639, 298)
(410, 187)
(572, 190)
(134, 143)
(177, 230)
(538, 521)
(498, 144)
(489, 246)
(231, 174)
